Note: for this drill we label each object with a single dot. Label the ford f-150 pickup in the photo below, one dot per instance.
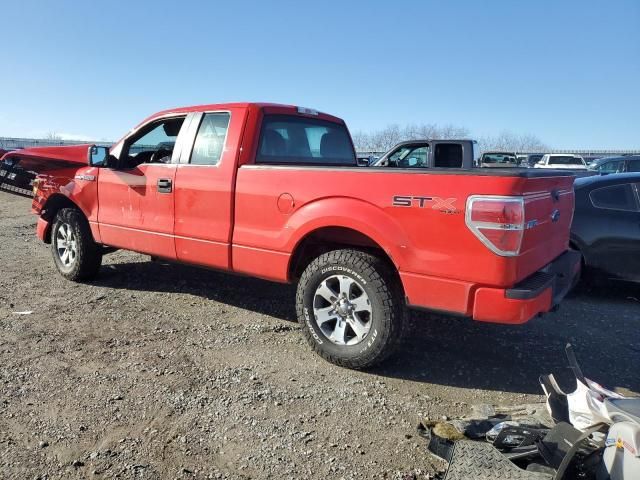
(274, 191)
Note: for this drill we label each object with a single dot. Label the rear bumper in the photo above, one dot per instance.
(538, 293)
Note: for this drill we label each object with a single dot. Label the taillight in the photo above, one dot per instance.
(498, 222)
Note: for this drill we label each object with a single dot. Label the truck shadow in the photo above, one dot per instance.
(602, 325)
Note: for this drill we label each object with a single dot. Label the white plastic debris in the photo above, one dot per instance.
(586, 404)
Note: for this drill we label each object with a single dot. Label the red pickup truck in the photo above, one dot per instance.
(274, 191)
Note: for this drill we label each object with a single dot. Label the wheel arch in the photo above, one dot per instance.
(52, 206)
(327, 238)
(344, 223)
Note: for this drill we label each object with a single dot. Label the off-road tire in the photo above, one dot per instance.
(88, 253)
(383, 288)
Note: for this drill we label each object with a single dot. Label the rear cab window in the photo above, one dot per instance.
(565, 160)
(293, 140)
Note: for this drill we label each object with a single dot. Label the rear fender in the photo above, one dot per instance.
(353, 214)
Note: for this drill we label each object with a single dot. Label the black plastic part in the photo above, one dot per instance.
(556, 399)
(531, 286)
(528, 437)
(559, 275)
(573, 363)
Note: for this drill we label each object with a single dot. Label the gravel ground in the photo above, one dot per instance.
(167, 371)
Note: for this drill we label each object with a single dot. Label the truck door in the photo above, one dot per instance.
(204, 188)
(136, 197)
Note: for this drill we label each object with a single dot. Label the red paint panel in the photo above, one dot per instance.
(261, 263)
(133, 214)
(42, 229)
(438, 293)
(204, 204)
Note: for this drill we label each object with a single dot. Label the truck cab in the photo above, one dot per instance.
(429, 154)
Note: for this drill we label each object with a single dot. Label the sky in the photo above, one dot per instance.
(565, 71)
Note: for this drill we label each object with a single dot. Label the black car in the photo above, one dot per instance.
(627, 163)
(606, 225)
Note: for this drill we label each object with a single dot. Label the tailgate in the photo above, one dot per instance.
(549, 203)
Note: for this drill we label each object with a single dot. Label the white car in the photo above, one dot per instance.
(562, 161)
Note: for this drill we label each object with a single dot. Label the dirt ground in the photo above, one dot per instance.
(167, 371)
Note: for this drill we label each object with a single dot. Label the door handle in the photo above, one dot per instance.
(164, 185)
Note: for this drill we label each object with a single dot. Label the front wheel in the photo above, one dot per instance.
(349, 304)
(76, 255)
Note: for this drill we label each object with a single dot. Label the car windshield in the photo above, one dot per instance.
(565, 160)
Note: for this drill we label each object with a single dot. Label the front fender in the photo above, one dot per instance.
(354, 214)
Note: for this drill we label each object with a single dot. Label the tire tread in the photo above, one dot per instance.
(385, 284)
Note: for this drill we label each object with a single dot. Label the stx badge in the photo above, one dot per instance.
(446, 205)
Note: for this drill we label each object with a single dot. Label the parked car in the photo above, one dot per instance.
(607, 165)
(606, 225)
(561, 161)
(274, 191)
(429, 154)
(499, 160)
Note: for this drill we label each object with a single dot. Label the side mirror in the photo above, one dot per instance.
(98, 156)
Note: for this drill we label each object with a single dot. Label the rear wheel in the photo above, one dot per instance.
(75, 254)
(350, 307)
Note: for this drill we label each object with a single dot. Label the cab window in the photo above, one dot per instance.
(210, 140)
(611, 167)
(448, 155)
(154, 143)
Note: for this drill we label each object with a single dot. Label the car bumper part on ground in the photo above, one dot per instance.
(539, 293)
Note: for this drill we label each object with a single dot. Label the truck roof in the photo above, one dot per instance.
(430, 140)
(223, 106)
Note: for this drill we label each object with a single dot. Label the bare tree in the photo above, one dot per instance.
(512, 142)
(382, 140)
(52, 135)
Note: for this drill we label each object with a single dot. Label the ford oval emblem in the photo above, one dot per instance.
(555, 216)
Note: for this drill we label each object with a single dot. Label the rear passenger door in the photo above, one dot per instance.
(617, 209)
(204, 190)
